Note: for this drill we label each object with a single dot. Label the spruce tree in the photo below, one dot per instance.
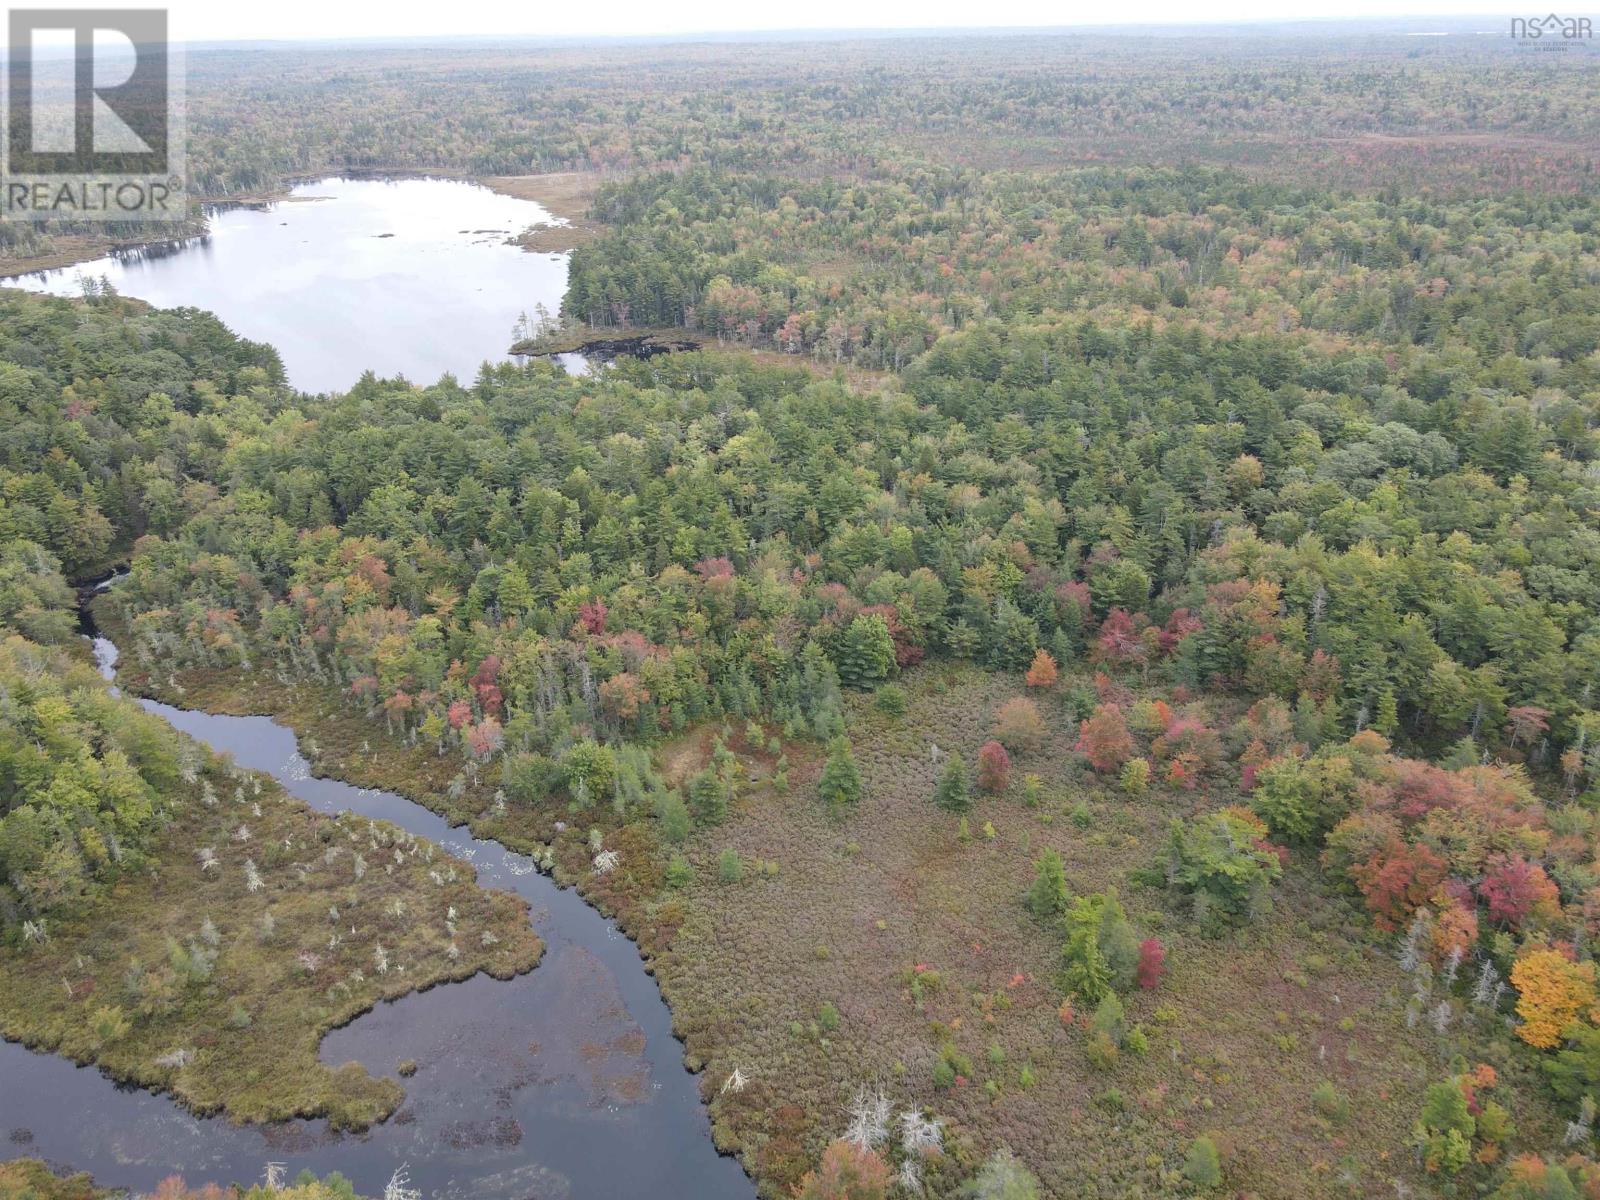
(1048, 896)
(954, 793)
(841, 781)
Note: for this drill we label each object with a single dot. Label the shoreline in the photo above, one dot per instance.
(564, 194)
(641, 344)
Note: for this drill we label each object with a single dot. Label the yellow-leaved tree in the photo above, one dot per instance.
(1552, 993)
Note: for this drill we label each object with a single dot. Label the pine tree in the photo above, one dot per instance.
(865, 654)
(840, 783)
(954, 793)
(1086, 972)
(1048, 896)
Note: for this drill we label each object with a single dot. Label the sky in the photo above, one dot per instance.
(235, 20)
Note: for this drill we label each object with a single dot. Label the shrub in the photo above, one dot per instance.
(1018, 725)
(1135, 778)
(828, 1016)
(1330, 1102)
(891, 699)
(1202, 1166)
(1102, 1052)
(679, 872)
(1108, 1019)
(729, 868)
(1003, 1177)
(109, 1024)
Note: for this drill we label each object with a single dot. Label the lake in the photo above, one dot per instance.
(409, 277)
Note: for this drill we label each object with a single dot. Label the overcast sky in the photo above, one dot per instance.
(229, 20)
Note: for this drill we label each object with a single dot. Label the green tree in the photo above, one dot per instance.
(1048, 896)
(954, 791)
(840, 783)
(865, 652)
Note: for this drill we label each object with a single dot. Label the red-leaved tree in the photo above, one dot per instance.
(1152, 963)
(1518, 892)
(994, 768)
(1103, 739)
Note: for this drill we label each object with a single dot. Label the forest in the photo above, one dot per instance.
(1084, 685)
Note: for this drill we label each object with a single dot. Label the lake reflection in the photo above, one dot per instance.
(412, 277)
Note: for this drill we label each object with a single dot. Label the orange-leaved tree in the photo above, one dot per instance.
(1042, 672)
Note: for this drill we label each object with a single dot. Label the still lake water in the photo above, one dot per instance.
(410, 277)
(563, 1084)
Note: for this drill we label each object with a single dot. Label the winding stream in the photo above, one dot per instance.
(566, 1082)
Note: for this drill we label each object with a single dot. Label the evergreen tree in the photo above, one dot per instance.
(954, 791)
(840, 783)
(1048, 897)
(865, 651)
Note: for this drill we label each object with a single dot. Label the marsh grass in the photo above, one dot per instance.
(183, 977)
